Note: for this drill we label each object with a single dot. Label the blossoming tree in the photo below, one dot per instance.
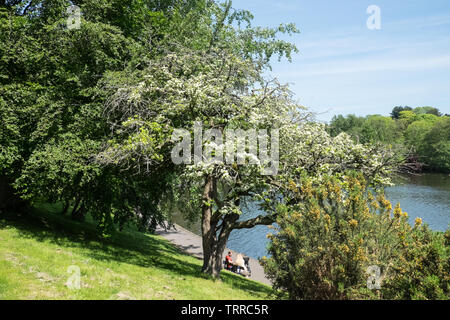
(222, 87)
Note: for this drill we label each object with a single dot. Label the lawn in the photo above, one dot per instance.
(37, 249)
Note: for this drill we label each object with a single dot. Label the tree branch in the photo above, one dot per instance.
(259, 220)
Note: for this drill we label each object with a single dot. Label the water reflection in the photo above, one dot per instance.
(426, 196)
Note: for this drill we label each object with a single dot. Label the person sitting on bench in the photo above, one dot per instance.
(240, 263)
(229, 261)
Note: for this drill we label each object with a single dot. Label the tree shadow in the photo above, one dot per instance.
(126, 246)
(239, 282)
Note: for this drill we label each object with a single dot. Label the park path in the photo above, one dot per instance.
(192, 244)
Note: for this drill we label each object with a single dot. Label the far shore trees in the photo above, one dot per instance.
(419, 134)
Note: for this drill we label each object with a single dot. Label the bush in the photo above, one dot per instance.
(421, 270)
(337, 231)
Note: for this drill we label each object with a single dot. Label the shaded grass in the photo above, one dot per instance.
(37, 249)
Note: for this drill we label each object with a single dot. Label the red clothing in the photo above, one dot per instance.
(229, 261)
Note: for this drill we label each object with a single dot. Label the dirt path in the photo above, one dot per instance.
(192, 244)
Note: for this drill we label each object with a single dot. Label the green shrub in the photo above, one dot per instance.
(337, 231)
(421, 269)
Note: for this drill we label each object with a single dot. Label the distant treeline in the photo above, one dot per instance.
(423, 131)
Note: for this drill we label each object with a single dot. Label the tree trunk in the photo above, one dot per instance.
(214, 243)
(78, 211)
(66, 207)
(208, 230)
(79, 214)
(214, 240)
(214, 237)
(75, 206)
(215, 247)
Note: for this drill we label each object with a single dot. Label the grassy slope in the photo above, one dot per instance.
(37, 249)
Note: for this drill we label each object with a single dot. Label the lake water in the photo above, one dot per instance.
(426, 196)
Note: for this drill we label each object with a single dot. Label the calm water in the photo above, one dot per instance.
(426, 196)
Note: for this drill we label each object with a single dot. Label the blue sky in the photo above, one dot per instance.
(343, 67)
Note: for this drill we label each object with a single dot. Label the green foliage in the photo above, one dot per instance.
(427, 110)
(408, 129)
(416, 132)
(395, 114)
(350, 124)
(328, 238)
(377, 128)
(406, 118)
(62, 174)
(51, 105)
(374, 128)
(421, 269)
(436, 145)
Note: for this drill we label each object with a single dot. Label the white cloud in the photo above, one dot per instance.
(369, 65)
(420, 22)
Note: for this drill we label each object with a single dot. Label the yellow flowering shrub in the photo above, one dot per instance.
(334, 232)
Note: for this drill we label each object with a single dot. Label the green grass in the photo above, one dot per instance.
(37, 249)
